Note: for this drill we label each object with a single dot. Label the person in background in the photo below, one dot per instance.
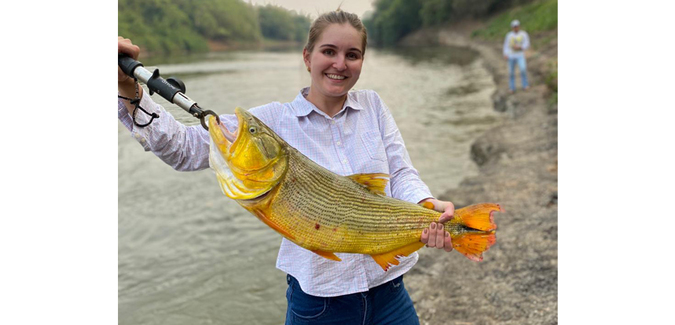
(346, 131)
(515, 44)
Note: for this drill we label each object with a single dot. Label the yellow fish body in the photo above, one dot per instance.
(327, 213)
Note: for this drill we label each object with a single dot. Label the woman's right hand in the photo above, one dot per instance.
(126, 86)
(125, 46)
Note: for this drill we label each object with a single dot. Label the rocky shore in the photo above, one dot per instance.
(517, 283)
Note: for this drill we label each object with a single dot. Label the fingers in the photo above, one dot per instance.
(436, 236)
(448, 212)
(125, 46)
(432, 235)
(439, 236)
(447, 243)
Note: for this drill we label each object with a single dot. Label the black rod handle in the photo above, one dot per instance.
(127, 64)
(159, 85)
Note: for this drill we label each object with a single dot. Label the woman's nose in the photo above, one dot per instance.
(339, 63)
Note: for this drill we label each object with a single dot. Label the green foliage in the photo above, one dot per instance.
(222, 20)
(158, 26)
(169, 26)
(393, 19)
(302, 24)
(536, 17)
(435, 12)
(280, 24)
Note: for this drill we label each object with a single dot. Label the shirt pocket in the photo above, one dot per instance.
(374, 146)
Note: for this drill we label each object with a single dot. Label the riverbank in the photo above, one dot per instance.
(517, 281)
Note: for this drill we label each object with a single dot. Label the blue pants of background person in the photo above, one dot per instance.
(522, 66)
(388, 303)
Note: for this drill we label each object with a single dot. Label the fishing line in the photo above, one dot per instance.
(137, 104)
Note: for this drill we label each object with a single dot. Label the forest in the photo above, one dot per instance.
(391, 20)
(171, 26)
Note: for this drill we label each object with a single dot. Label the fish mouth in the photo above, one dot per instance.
(230, 136)
(234, 137)
(225, 139)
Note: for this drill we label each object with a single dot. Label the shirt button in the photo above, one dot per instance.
(344, 161)
(332, 122)
(339, 143)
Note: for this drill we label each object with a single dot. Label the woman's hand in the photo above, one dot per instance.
(125, 85)
(125, 46)
(436, 235)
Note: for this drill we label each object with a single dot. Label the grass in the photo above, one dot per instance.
(536, 17)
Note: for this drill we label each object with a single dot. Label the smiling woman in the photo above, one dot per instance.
(335, 66)
(340, 129)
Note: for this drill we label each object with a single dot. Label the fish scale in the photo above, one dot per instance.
(328, 213)
(366, 219)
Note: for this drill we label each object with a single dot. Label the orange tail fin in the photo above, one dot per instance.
(472, 245)
(478, 216)
(481, 235)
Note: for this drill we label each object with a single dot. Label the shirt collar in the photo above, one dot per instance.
(302, 107)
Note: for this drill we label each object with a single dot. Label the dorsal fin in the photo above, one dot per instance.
(375, 182)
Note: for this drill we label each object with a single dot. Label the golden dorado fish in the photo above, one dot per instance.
(327, 213)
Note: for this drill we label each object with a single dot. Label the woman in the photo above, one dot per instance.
(346, 132)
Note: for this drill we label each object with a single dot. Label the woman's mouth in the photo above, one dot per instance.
(335, 76)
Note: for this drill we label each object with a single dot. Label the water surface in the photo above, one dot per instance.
(189, 255)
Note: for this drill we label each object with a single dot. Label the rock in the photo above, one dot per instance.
(516, 283)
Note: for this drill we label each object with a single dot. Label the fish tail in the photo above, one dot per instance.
(479, 230)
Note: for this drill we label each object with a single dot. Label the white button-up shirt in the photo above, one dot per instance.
(512, 38)
(361, 138)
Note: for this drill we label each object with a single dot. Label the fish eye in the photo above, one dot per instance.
(252, 130)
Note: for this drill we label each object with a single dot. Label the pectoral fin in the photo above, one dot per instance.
(388, 259)
(376, 182)
(328, 255)
(277, 227)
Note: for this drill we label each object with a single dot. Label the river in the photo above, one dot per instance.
(189, 255)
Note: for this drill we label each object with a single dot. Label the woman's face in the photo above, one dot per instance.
(336, 60)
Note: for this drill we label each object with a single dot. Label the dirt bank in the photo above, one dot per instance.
(517, 282)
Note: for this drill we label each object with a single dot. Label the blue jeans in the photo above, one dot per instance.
(522, 66)
(388, 303)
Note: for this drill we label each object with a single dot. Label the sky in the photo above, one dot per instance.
(314, 8)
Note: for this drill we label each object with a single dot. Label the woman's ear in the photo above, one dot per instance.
(305, 57)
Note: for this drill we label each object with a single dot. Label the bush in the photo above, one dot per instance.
(535, 17)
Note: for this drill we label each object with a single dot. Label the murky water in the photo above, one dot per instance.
(190, 255)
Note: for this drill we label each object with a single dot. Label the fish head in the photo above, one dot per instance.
(250, 161)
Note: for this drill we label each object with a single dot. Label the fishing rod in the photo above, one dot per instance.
(171, 89)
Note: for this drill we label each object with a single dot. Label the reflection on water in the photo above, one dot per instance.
(189, 255)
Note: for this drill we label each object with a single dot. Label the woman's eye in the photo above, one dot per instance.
(352, 56)
(328, 52)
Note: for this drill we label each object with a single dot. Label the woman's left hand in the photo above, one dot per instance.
(436, 235)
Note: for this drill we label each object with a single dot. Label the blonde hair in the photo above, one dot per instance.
(335, 17)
